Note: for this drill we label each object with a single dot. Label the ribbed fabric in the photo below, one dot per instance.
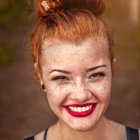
(132, 134)
(45, 134)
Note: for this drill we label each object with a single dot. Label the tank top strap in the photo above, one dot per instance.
(132, 134)
(45, 134)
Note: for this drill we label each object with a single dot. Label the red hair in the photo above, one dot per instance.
(95, 6)
(68, 20)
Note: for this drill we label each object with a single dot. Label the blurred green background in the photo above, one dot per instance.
(23, 106)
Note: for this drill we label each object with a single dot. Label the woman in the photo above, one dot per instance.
(73, 58)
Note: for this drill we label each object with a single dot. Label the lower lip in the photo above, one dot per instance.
(80, 114)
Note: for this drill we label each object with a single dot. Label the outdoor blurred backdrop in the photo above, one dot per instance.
(23, 106)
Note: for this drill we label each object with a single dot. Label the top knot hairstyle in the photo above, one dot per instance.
(95, 6)
(68, 20)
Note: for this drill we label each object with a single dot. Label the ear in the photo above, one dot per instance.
(43, 86)
(114, 65)
(39, 75)
(37, 71)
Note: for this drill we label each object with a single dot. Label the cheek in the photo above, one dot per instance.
(56, 94)
(102, 90)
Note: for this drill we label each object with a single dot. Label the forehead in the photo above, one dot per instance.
(65, 54)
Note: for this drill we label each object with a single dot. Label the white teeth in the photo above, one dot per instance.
(83, 109)
(75, 109)
(71, 108)
(87, 108)
(80, 109)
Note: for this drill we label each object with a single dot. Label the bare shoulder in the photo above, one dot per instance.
(116, 125)
(116, 130)
(40, 136)
(121, 129)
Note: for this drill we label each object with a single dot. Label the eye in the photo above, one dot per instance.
(97, 76)
(61, 79)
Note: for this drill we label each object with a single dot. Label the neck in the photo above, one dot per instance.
(97, 132)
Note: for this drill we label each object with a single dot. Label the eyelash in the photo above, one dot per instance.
(97, 76)
(60, 79)
(92, 77)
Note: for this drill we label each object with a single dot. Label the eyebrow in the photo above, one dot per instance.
(94, 68)
(57, 70)
(67, 72)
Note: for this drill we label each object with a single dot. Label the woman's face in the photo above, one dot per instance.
(77, 79)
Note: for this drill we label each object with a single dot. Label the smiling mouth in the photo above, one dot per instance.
(80, 110)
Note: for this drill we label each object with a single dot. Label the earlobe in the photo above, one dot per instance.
(114, 60)
(39, 76)
(43, 86)
(114, 65)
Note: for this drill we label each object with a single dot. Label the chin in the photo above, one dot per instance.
(82, 125)
(82, 128)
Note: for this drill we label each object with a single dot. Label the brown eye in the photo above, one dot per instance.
(61, 79)
(97, 76)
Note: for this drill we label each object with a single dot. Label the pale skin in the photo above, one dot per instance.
(79, 74)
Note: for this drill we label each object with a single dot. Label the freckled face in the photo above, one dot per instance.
(77, 81)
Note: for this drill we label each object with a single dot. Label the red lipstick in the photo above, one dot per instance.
(83, 113)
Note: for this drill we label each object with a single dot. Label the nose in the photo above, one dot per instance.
(80, 92)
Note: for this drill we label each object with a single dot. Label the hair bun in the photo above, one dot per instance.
(47, 8)
(95, 6)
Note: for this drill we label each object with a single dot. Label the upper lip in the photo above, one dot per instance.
(80, 105)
